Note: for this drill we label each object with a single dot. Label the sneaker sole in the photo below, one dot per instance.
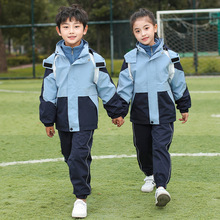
(147, 191)
(79, 217)
(162, 200)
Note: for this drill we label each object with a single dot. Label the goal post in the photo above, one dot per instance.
(193, 33)
(189, 11)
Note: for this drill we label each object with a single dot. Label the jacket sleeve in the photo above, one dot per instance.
(179, 87)
(125, 87)
(48, 97)
(107, 92)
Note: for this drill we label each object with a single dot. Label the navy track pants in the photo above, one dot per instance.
(152, 143)
(76, 149)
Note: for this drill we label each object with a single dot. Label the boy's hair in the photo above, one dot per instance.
(142, 12)
(73, 11)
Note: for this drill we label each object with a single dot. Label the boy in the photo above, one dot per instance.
(74, 77)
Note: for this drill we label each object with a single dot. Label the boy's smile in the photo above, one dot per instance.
(72, 32)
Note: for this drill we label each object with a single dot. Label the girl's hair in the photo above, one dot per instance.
(73, 11)
(143, 12)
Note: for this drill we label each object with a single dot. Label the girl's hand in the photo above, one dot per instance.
(50, 131)
(118, 121)
(184, 117)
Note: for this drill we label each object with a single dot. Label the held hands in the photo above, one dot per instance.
(184, 117)
(118, 121)
(50, 131)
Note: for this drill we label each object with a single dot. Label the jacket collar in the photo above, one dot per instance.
(157, 47)
(83, 56)
(150, 49)
(158, 51)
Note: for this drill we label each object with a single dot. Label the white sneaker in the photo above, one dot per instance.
(162, 196)
(149, 184)
(79, 209)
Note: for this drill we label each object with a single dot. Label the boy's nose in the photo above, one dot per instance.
(71, 29)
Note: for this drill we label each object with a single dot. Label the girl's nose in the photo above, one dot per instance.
(143, 33)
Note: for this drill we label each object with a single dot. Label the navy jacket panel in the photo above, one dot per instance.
(88, 114)
(184, 103)
(62, 122)
(47, 107)
(114, 107)
(139, 109)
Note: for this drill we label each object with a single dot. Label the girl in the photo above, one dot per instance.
(152, 79)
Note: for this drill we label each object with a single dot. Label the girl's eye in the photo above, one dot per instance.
(76, 26)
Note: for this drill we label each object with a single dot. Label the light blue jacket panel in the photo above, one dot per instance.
(74, 94)
(152, 84)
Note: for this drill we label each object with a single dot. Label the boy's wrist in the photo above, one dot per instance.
(184, 110)
(117, 116)
(49, 125)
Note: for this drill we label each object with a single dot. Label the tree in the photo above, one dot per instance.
(8, 16)
(98, 10)
(3, 61)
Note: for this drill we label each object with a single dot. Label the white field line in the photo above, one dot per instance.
(5, 164)
(215, 116)
(205, 92)
(17, 91)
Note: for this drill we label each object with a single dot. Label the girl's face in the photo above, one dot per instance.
(144, 30)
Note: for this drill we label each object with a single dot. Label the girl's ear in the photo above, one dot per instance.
(155, 28)
(58, 31)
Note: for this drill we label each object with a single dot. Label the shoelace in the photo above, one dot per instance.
(149, 180)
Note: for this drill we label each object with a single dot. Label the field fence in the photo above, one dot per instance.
(195, 38)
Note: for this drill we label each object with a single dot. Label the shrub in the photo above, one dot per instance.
(18, 60)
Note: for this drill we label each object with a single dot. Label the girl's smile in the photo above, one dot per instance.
(144, 30)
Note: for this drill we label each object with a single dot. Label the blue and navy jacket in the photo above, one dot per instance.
(153, 83)
(70, 91)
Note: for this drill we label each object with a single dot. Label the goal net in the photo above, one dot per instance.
(195, 35)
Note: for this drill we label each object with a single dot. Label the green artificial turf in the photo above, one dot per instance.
(43, 190)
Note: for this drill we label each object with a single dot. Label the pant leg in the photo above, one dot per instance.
(143, 143)
(79, 162)
(161, 139)
(66, 143)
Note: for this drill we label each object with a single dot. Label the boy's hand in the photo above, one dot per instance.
(118, 121)
(50, 131)
(184, 117)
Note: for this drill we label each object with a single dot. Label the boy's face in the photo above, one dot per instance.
(72, 32)
(144, 30)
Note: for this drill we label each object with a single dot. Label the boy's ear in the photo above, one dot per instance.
(85, 30)
(58, 30)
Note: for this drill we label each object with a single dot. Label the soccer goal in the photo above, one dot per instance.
(195, 35)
